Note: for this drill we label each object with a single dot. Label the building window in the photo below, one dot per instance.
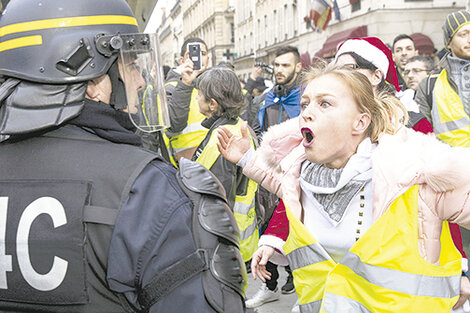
(289, 21)
(262, 38)
(276, 27)
(265, 36)
(245, 45)
(355, 5)
(247, 8)
(232, 32)
(296, 19)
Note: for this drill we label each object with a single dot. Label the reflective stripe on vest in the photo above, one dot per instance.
(245, 214)
(193, 134)
(244, 207)
(382, 272)
(307, 258)
(450, 121)
(335, 303)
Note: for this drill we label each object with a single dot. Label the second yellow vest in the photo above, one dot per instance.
(451, 123)
(383, 271)
(244, 209)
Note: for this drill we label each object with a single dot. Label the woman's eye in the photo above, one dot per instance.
(304, 105)
(324, 104)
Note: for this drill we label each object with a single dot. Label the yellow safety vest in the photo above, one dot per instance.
(244, 209)
(193, 134)
(383, 271)
(450, 121)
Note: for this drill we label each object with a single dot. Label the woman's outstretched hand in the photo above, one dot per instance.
(259, 261)
(233, 147)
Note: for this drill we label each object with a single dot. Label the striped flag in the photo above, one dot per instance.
(320, 13)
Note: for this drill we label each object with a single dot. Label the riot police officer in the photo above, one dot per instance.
(89, 221)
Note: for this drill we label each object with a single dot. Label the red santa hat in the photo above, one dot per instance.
(375, 51)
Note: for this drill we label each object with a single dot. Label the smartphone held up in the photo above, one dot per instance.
(195, 55)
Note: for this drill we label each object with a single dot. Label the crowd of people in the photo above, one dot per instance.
(126, 188)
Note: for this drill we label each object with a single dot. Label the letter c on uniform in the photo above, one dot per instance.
(53, 279)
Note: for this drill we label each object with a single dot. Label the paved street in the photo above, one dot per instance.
(283, 305)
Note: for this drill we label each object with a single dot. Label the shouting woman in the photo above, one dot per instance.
(367, 206)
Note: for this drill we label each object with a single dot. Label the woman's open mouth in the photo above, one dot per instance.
(308, 136)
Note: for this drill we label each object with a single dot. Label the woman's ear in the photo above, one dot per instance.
(213, 105)
(376, 78)
(361, 124)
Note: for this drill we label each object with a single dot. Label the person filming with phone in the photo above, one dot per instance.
(182, 102)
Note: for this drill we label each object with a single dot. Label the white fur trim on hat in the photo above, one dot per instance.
(367, 51)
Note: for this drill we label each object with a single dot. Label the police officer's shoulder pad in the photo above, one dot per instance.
(199, 179)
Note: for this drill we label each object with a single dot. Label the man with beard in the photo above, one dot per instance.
(281, 103)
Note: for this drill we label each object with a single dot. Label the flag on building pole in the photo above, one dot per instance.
(336, 10)
(320, 13)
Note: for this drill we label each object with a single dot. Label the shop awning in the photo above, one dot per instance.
(328, 49)
(423, 43)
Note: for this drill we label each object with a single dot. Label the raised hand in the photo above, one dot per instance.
(233, 147)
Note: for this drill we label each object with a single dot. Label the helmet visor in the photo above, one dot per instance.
(143, 78)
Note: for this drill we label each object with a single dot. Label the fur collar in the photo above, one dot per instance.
(410, 156)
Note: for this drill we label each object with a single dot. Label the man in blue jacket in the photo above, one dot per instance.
(282, 102)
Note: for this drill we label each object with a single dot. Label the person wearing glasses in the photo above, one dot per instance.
(371, 57)
(416, 69)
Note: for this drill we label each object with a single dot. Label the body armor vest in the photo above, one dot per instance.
(61, 193)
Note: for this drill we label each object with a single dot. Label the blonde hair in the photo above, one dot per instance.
(387, 113)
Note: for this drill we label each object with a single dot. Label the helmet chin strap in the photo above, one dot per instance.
(118, 98)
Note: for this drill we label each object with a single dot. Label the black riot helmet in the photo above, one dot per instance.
(59, 43)
(54, 41)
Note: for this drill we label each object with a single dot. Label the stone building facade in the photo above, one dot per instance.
(212, 21)
(170, 34)
(261, 26)
(245, 31)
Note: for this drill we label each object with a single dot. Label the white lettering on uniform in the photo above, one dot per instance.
(5, 260)
(51, 280)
